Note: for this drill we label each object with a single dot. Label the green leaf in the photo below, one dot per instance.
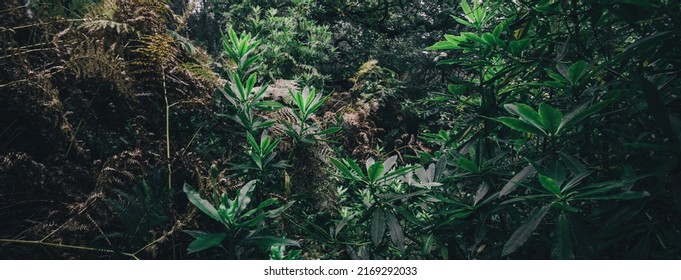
(428, 245)
(456, 89)
(550, 184)
(562, 241)
(269, 241)
(377, 226)
(530, 116)
(443, 46)
(556, 171)
(268, 105)
(618, 196)
(203, 240)
(551, 118)
(517, 178)
(330, 130)
(473, 37)
(374, 172)
(520, 125)
(576, 71)
(573, 164)
(576, 180)
(467, 164)
(395, 230)
(203, 205)
(581, 112)
(342, 168)
(523, 233)
(465, 7)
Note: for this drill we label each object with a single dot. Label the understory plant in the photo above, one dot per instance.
(243, 223)
(542, 167)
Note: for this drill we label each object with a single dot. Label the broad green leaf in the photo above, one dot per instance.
(576, 71)
(550, 184)
(530, 116)
(523, 233)
(562, 241)
(204, 240)
(203, 205)
(499, 29)
(456, 89)
(520, 125)
(512, 108)
(551, 118)
(377, 226)
(395, 230)
(375, 171)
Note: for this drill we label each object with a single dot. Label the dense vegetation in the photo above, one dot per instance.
(300, 129)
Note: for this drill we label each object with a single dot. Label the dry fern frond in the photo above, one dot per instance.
(91, 59)
(107, 24)
(157, 55)
(105, 9)
(147, 16)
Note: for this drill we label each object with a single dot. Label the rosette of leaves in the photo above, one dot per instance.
(243, 222)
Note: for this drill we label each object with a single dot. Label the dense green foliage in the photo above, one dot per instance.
(299, 129)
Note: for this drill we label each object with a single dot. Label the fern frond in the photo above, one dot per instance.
(107, 24)
(93, 60)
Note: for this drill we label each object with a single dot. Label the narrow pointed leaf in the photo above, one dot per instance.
(550, 184)
(562, 241)
(204, 240)
(395, 230)
(206, 207)
(523, 233)
(269, 241)
(377, 226)
(517, 179)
